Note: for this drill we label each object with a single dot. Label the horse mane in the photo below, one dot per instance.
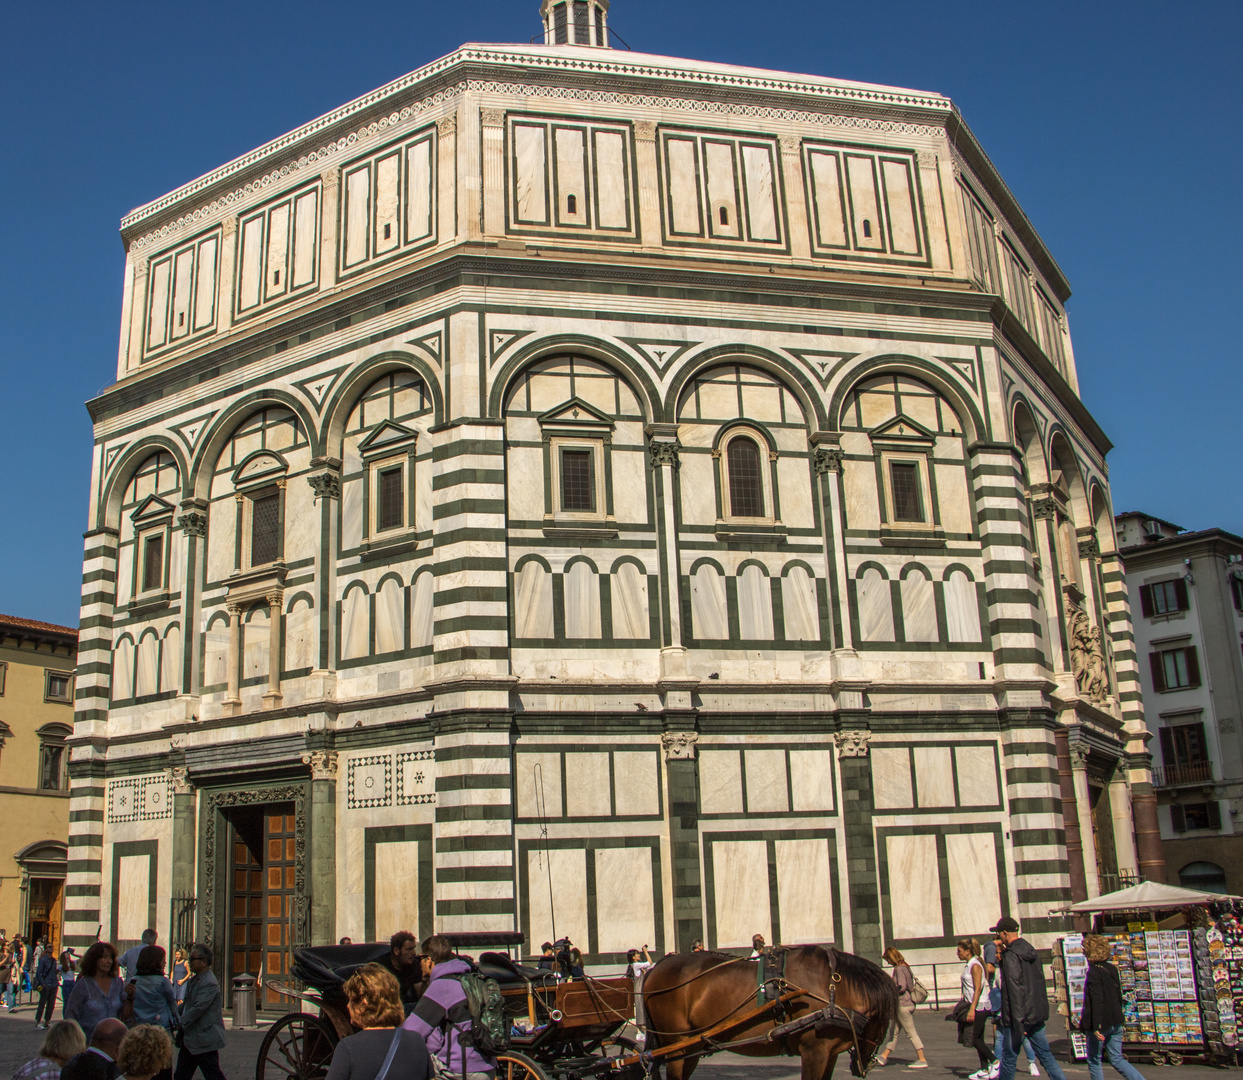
(867, 978)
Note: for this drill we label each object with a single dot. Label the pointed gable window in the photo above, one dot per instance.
(577, 438)
(152, 520)
(260, 485)
(388, 455)
(904, 448)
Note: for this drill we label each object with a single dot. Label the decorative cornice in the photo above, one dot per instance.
(852, 743)
(679, 745)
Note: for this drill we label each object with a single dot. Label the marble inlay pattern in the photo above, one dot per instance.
(369, 781)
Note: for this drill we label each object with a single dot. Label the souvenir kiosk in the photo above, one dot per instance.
(1179, 953)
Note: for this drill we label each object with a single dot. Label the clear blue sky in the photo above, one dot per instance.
(1116, 125)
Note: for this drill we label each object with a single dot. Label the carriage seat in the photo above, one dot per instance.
(500, 967)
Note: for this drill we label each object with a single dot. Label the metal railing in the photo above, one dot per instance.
(1123, 879)
(944, 984)
(181, 921)
(1192, 772)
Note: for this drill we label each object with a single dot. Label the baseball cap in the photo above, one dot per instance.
(1005, 925)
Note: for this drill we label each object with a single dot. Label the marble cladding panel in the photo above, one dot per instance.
(352, 512)
(301, 634)
(533, 615)
(720, 782)
(530, 174)
(740, 880)
(525, 482)
(625, 916)
(919, 609)
(975, 896)
(811, 780)
(962, 608)
(587, 788)
(934, 776)
(800, 606)
(570, 151)
(804, 891)
(755, 605)
(369, 781)
(709, 613)
(397, 885)
(698, 487)
(134, 896)
(355, 624)
(915, 901)
(794, 487)
(216, 651)
(977, 775)
(636, 783)
(767, 790)
(147, 678)
(629, 486)
(415, 775)
(256, 641)
(560, 873)
(125, 574)
(170, 660)
(582, 602)
(301, 519)
(891, 778)
(875, 606)
(538, 780)
(630, 612)
(612, 190)
(181, 292)
(390, 617)
(954, 499)
(139, 798)
(422, 604)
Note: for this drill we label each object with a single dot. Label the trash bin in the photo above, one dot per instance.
(243, 1001)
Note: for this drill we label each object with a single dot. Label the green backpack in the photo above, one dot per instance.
(489, 1028)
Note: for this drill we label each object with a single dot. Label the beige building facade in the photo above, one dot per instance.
(655, 485)
(37, 661)
(1186, 591)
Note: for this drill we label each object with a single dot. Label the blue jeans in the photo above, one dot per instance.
(999, 1035)
(1038, 1042)
(10, 994)
(1112, 1045)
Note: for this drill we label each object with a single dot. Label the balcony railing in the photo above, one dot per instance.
(1192, 772)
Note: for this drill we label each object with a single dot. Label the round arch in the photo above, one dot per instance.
(198, 485)
(779, 367)
(942, 381)
(344, 397)
(622, 363)
(132, 459)
(1027, 439)
(1102, 518)
(1061, 457)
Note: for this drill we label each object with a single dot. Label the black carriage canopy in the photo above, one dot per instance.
(326, 967)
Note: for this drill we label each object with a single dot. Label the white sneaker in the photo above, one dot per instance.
(979, 1074)
(994, 1070)
(1031, 1068)
(918, 1065)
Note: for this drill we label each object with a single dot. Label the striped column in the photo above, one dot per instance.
(1037, 833)
(1009, 576)
(91, 698)
(474, 839)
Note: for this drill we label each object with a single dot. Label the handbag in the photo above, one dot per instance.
(918, 992)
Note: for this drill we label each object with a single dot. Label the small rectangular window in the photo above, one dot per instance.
(4, 670)
(904, 483)
(1163, 598)
(390, 506)
(578, 481)
(51, 765)
(265, 529)
(1236, 592)
(1188, 816)
(58, 686)
(1175, 669)
(560, 31)
(152, 562)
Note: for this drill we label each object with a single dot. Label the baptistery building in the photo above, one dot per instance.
(601, 495)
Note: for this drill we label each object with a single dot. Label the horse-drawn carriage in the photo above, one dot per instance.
(804, 1000)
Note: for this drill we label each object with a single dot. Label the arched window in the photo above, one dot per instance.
(1205, 876)
(52, 756)
(746, 479)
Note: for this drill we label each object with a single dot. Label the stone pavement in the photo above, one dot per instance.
(948, 1061)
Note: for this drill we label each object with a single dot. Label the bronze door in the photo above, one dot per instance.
(263, 893)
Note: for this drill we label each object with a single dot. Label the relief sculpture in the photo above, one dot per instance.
(1087, 657)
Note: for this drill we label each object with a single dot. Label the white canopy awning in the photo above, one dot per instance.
(1146, 896)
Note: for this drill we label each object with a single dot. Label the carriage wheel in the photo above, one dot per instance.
(619, 1046)
(511, 1065)
(297, 1047)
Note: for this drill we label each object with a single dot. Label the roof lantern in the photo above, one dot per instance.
(575, 22)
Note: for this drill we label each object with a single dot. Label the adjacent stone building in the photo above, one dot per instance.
(1186, 589)
(580, 490)
(36, 721)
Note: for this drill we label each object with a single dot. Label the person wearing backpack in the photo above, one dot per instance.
(443, 1017)
(909, 988)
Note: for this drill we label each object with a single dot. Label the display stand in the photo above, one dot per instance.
(1224, 945)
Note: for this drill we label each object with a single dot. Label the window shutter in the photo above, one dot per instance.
(1201, 743)
(1180, 594)
(1178, 818)
(1158, 671)
(1145, 601)
(1214, 815)
(1167, 748)
(1193, 666)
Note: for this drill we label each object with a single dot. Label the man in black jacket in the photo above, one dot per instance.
(1024, 1002)
(98, 1061)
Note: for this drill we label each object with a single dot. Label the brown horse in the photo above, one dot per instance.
(697, 995)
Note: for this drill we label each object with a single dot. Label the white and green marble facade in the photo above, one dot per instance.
(813, 722)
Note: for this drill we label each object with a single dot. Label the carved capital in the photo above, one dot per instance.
(140, 269)
(679, 745)
(323, 764)
(852, 743)
(234, 608)
(492, 117)
(1079, 753)
(645, 131)
(663, 453)
(331, 177)
(179, 777)
(326, 485)
(193, 523)
(447, 125)
(274, 599)
(928, 159)
(1089, 548)
(228, 227)
(1046, 508)
(827, 459)
(789, 144)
